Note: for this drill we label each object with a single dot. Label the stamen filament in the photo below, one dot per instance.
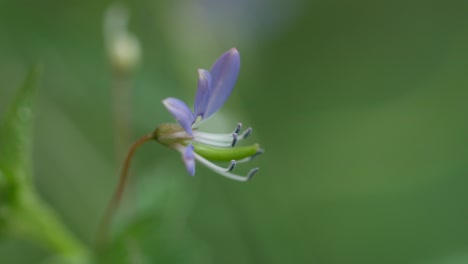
(235, 137)
(246, 133)
(213, 142)
(224, 137)
(221, 140)
(213, 136)
(260, 151)
(238, 128)
(231, 166)
(223, 172)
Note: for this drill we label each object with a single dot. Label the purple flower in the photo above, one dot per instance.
(214, 88)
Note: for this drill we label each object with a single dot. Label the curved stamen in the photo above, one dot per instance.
(222, 137)
(229, 168)
(260, 151)
(246, 133)
(232, 165)
(251, 173)
(223, 171)
(234, 139)
(221, 140)
(238, 128)
(213, 142)
(213, 136)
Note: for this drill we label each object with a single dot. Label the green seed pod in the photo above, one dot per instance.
(225, 154)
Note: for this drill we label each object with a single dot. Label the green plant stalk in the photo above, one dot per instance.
(30, 217)
(22, 212)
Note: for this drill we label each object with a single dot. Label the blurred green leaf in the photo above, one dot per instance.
(22, 212)
(15, 144)
(15, 135)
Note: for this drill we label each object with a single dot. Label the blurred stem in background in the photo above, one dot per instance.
(120, 114)
(124, 51)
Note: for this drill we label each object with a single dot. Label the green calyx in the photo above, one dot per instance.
(170, 134)
(225, 154)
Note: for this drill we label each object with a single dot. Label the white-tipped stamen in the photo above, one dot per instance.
(232, 165)
(251, 173)
(238, 128)
(234, 139)
(223, 171)
(246, 133)
(260, 151)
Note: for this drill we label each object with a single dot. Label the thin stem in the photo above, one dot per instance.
(114, 203)
(121, 119)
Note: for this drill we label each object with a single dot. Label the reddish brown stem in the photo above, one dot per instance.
(114, 203)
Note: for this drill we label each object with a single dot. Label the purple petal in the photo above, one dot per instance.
(203, 93)
(189, 160)
(223, 76)
(181, 112)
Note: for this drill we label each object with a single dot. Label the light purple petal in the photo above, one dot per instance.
(203, 93)
(181, 112)
(189, 159)
(223, 78)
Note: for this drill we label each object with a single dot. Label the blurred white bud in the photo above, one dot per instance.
(123, 47)
(125, 52)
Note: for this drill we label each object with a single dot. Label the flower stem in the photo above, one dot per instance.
(114, 203)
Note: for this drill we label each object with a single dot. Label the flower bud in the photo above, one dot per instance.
(125, 52)
(123, 47)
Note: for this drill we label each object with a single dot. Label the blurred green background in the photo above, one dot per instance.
(361, 107)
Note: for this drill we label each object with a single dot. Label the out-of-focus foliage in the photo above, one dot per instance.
(23, 214)
(16, 136)
(361, 107)
(15, 150)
